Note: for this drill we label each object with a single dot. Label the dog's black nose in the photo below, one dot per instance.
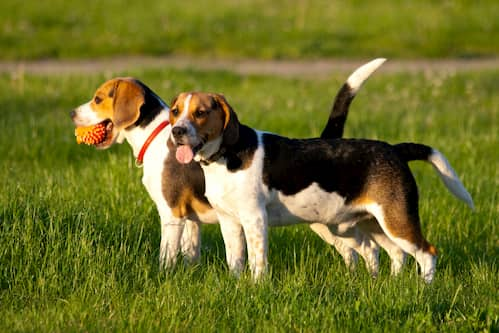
(72, 114)
(178, 131)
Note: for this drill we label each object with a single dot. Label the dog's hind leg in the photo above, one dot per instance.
(348, 254)
(397, 255)
(354, 238)
(404, 230)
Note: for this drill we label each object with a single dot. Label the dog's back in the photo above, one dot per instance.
(344, 166)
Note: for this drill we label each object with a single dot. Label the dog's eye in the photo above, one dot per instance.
(174, 112)
(200, 114)
(97, 99)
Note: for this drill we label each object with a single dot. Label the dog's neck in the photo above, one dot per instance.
(138, 135)
(211, 152)
(235, 155)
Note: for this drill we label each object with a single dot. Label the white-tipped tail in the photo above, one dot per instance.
(449, 177)
(357, 78)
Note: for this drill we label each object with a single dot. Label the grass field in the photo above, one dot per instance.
(79, 236)
(254, 29)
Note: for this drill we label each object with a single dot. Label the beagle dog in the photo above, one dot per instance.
(131, 111)
(255, 179)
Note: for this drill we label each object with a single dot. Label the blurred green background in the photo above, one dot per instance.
(279, 29)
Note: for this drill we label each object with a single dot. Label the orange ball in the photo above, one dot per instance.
(91, 135)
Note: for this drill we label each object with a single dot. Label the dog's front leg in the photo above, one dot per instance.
(171, 232)
(191, 242)
(255, 229)
(233, 236)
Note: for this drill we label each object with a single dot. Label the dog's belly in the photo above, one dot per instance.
(313, 204)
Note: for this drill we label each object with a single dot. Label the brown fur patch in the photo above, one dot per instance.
(183, 186)
(396, 193)
(220, 99)
(102, 103)
(398, 201)
(119, 100)
(187, 203)
(362, 200)
(432, 250)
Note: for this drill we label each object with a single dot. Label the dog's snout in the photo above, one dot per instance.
(179, 131)
(72, 114)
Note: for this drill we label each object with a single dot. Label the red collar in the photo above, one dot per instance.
(139, 161)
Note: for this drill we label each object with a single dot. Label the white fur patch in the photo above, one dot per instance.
(86, 116)
(209, 149)
(312, 204)
(187, 102)
(427, 263)
(357, 78)
(450, 178)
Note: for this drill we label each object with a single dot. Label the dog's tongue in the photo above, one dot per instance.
(184, 154)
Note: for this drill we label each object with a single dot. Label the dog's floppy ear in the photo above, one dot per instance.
(128, 97)
(231, 123)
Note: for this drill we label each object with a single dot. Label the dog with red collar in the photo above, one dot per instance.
(126, 109)
(255, 179)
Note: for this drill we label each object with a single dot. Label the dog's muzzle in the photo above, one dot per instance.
(179, 133)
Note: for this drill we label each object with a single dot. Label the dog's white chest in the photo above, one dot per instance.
(222, 188)
(234, 192)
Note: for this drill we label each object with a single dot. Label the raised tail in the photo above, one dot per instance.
(341, 104)
(415, 151)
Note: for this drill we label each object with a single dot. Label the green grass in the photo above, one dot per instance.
(259, 29)
(79, 236)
